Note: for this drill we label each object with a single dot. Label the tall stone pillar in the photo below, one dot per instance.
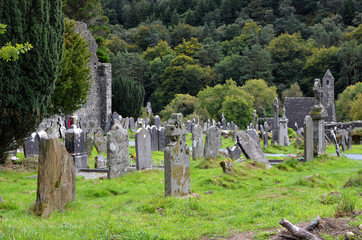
(275, 136)
(283, 130)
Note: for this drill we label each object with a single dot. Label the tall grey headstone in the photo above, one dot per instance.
(89, 144)
(343, 139)
(75, 145)
(212, 142)
(197, 142)
(161, 139)
(308, 138)
(283, 130)
(117, 151)
(235, 132)
(143, 149)
(157, 121)
(31, 146)
(177, 159)
(189, 126)
(253, 134)
(275, 130)
(251, 149)
(131, 123)
(264, 136)
(154, 137)
(223, 122)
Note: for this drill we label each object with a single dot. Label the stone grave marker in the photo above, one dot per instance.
(177, 159)
(161, 139)
(117, 152)
(157, 121)
(75, 145)
(100, 141)
(275, 131)
(308, 138)
(253, 134)
(31, 146)
(227, 165)
(89, 144)
(235, 132)
(100, 161)
(56, 177)
(189, 123)
(232, 125)
(154, 138)
(264, 136)
(283, 130)
(131, 123)
(197, 142)
(338, 150)
(349, 141)
(143, 149)
(212, 142)
(251, 149)
(234, 151)
(223, 122)
(108, 125)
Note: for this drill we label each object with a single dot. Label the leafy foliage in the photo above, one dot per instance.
(348, 104)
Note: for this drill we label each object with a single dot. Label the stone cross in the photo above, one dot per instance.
(197, 142)
(318, 114)
(117, 151)
(143, 149)
(283, 130)
(177, 159)
(275, 136)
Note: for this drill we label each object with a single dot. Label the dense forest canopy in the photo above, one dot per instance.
(181, 46)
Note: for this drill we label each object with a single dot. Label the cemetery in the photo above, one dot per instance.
(93, 147)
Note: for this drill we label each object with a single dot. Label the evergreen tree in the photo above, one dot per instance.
(26, 85)
(87, 11)
(71, 88)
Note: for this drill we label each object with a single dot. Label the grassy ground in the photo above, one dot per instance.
(134, 206)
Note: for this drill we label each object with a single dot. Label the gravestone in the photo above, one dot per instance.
(108, 125)
(297, 134)
(56, 177)
(227, 166)
(189, 123)
(232, 125)
(100, 161)
(223, 122)
(275, 136)
(308, 138)
(147, 122)
(235, 132)
(218, 125)
(143, 149)
(125, 123)
(212, 142)
(338, 150)
(154, 138)
(117, 151)
(31, 146)
(197, 142)
(253, 134)
(252, 124)
(177, 159)
(100, 141)
(283, 130)
(161, 139)
(205, 126)
(89, 144)
(343, 139)
(157, 121)
(131, 123)
(75, 145)
(251, 149)
(264, 136)
(148, 109)
(234, 151)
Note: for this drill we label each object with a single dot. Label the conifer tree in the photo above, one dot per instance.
(26, 84)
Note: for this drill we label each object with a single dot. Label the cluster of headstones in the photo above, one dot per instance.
(345, 139)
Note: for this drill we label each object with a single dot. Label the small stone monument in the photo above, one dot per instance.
(189, 126)
(100, 142)
(212, 142)
(143, 149)
(117, 151)
(283, 130)
(264, 136)
(56, 177)
(131, 123)
(162, 139)
(275, 130)
(223, 122)
(177, 159)
(234, 151)
(197, 142)
(227, 166)
(308, 138)
(75, 144)
(148, 109)
(157, 121)
(235, 132)
(252, 125)
(154, 138)
(31, 146)
(100, 161)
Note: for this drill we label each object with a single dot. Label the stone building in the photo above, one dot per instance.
(98, 107)
(296, 108)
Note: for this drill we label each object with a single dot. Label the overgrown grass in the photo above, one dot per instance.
(134, 207)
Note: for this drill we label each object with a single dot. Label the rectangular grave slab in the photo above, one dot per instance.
(143, 149)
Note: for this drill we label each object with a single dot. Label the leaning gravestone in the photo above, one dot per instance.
(117, 151)
(253, 134)
(75, 145)
(162, 139)
(308, 138)
(100, 142)
(143, 149)
(234, 151)
(197, 142)
(56, 177)
(251, 149)
(212, 142)
(177, 159)
(338, 150)
(154, 138)
(31, 145)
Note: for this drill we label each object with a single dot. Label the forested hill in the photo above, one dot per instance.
(182, 46)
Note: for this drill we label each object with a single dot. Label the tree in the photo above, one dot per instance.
(211, 53)
(26, 84)
(292, 91)
(213, 98)
(74, 82)
(237, 109)
(87, 11)
(10, 52)
(127, 96)
(263, 96)
(347, 105)
(182, 103)
(161, 49)
(188, 48)
(229, 68)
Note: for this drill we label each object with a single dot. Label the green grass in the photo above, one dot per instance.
(356, 149)
(134, 207)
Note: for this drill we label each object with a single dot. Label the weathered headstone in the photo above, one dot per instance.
(56, 177)
(343, 139)
(227, 166)
(100, 142)
(223, 122)
(143, 149)
(177, 159)
(108, 125)
(235, 132)
(89, 144)
(197, 142)
(275, 132)
(117, 151)
(161, 139)
(131, 123)
(338, 150)
(308, 138)
(75, 145)
(264, 136)
(189, 123)
(234, 151)
(212, 142)
(253, 134)
(252, 124)
(154, 137)
(283, 130)
(100, 161)
(232, 125)
(251, 149)
(157, 121)
(148, 109)
(31, 146)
